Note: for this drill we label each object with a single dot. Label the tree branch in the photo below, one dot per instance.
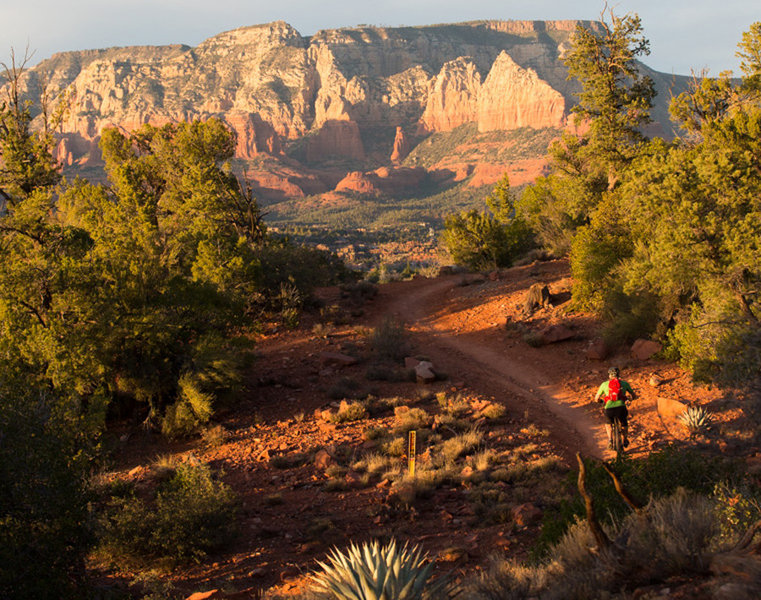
(594, 526)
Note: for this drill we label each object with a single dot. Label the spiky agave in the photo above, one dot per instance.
(375, 572)
(696, 419)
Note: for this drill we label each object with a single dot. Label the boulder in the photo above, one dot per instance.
(556, 333)
(597, 350)
(643, 349)
(410, 362)
(336, 359)
(526, 514)
(323, 459)
(424, 372)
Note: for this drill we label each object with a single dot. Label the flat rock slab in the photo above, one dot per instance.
(556, 333)
(336, 359)
(670, 411)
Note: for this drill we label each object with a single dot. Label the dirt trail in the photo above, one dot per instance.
(528, 390)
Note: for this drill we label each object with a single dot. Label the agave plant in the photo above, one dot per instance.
(375, 572)
(696, 418)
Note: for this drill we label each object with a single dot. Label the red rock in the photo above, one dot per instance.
(410, 362)
(526, 514)
(289, 572)
(452, 97)
(644, 349)
(358, 182)
(205, 595)
(336, 359)
(353, 479)
(323, 459)
(597, 350)
(512, 97)
(556, 333)
(401, 146)
(336, 138)
(253, 135)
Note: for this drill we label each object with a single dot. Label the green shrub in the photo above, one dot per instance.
(354, 411)
(44, 534)
(190, 412)
(389, 340)
(658, 475)
(191, 515)
(290, 300)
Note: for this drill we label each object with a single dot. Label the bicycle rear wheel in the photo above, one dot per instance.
(618, 437)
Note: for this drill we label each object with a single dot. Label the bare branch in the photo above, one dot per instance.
(631, 502)
(594, 526)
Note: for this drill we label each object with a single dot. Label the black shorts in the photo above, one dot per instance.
(617, 412)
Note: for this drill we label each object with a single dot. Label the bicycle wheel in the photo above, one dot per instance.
(618, 439)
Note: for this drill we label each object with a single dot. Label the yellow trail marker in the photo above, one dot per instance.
(411, 451)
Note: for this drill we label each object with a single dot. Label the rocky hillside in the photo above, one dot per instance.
(337, 114)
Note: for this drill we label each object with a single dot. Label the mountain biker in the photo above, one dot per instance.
(613, 393)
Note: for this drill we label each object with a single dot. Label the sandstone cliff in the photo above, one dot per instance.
(346, 100)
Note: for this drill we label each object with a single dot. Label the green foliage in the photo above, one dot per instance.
(658, 475)
(616, 97)
(673, 536)
(389, 340)
(372, 572)
(44, 535)
(738, 507)
(191, 515)
(663, 236)
(487, 240)
(26, 156)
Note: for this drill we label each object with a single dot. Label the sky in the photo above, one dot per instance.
(685, 35)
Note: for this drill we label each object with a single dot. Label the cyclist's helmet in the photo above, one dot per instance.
(613, 373)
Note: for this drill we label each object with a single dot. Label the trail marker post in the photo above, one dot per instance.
(411, 451)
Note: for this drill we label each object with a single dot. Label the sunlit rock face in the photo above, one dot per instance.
(302, 105)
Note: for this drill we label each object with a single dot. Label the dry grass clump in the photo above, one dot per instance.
(493, 411)
(671, 536)
(395, 447)
(375, 464)
(406, 419)
(461, 444)
(215, 435)
(349, 411)
(535, 432)
(456, 406)
(452, 423)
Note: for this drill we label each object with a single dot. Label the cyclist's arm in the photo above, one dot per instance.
(600, 391)
(630, 391)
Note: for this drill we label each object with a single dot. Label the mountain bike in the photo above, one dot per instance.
(617, 437)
